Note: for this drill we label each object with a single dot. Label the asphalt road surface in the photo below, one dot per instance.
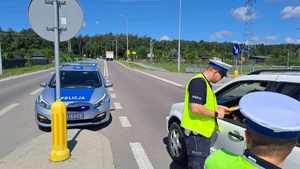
(138, 124)
(144, 102)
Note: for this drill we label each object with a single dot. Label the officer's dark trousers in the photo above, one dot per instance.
(198, 149)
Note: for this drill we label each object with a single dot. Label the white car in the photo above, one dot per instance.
(232, 128)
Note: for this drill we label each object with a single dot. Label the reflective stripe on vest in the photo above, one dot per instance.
(203, 125)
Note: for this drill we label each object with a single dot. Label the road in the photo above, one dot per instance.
(17, 125)
(138, 125)
(145, 102)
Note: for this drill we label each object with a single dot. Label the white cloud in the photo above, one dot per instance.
(243, 14)
(255, 39)
(165, 38)
(290, 12)
(220, 35)
(271, 38)
(292, 40)
(237, 42)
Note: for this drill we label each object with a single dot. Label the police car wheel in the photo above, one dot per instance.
(176, 146)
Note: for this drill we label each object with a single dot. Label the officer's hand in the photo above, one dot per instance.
(226, 109)
(221, 112)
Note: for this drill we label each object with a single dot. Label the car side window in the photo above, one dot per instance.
(236, 91)
(290, 89)
(231, 95)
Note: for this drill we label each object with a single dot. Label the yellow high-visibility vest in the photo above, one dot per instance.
(225, 160)
(203, 125)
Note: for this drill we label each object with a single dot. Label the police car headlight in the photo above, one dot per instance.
(43, 103)
(101, 101)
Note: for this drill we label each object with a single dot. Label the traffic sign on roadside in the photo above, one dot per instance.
(236, 50)
(41, 16)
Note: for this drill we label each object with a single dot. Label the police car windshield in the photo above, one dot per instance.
(74, 79)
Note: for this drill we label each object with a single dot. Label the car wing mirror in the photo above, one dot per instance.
(108, 84)
(44, 84)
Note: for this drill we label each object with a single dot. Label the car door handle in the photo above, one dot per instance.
(235, 136)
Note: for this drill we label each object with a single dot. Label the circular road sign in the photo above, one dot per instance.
(41, 16)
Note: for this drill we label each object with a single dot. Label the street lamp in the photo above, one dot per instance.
(127, 43)
(1, 71)
(179, 35)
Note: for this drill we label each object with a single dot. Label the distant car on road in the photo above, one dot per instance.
(83, 90)
(231, 136)
(109, 55)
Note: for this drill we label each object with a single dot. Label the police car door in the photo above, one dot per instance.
(291, 87)
(231, 136)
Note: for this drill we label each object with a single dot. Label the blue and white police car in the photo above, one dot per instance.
(83, 90)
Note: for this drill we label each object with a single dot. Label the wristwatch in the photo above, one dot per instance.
(216, 114)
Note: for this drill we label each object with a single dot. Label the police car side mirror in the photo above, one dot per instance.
(108, 84)
(44, 84)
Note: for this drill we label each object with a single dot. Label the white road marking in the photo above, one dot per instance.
(154, 76)
(118, 106)
(111, 89)
(105, 70)
(8, 108)
(36, 91)
(24, 75)
(140, 156)
(113, 95)
(124, 121)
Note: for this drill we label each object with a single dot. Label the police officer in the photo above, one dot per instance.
(273, 127)
(200, 113)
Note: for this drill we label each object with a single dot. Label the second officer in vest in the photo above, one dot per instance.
(200, 113)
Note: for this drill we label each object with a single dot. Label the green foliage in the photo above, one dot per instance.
(26, 44)
(18, 71)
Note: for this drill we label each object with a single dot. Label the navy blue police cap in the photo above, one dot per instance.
(272, 114)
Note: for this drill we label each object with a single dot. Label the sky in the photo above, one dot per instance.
(272, 21)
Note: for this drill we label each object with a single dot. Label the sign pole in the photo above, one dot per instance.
(236, 54)
(1, 71)
(68, 19)
(56, 47)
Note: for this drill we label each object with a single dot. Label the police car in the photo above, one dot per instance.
(231, 136)
(83, 90)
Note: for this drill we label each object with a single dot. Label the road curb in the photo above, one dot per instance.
(89, 150)
(24, 75)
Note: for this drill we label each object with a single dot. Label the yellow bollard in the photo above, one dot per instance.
(59, 148)
(236, 73)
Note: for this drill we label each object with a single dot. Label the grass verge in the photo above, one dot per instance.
(131, 64)
(23, 70)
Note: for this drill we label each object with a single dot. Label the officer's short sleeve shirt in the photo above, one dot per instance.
(197, 90)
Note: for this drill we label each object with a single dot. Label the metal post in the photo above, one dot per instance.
(236, 63)
(56, 47)
(59, 135)
(179, 37)
(127, 39)
(150, 49)
(127, 52)
(1, 71)
(116, 49)
(69, 46)
(288, 59)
